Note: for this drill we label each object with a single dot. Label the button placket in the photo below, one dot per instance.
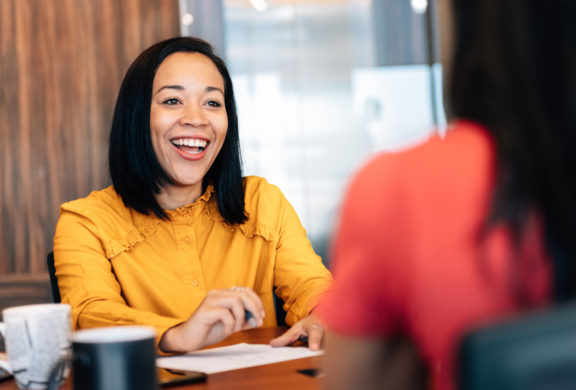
(190, 259)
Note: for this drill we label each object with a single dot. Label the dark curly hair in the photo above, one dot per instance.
(513, 70)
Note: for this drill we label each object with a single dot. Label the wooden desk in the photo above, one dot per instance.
(278, 376)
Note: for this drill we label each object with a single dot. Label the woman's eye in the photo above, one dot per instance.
(214, 103)
(171, 101)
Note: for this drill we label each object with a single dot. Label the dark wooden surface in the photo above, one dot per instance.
(61, 65)
(278, 376)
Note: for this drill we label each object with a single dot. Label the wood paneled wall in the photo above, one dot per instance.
(61, 64)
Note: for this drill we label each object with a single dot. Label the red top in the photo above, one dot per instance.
(407, 255)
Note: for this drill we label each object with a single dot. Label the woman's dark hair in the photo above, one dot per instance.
(514, 70)
(134, 168)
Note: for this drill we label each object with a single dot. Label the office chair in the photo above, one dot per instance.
(53, 280)
(279, 309)
(533, 352)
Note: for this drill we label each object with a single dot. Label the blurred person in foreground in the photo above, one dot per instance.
(181, 241)
(471, 228)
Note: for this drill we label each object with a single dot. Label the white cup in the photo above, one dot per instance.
(36, 337)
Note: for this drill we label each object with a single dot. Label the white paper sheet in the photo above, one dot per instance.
(234, 357)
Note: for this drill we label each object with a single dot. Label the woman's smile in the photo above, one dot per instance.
(191, 148)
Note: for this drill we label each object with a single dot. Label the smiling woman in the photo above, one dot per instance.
(149, 89)
(168, 244)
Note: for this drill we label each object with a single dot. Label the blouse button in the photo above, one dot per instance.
(195, 283)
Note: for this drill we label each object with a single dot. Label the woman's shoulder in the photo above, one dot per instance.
(261, 195)
(97, 197)
(100, 204)
(256, 186)
(465, 147)
(265, 204)
(104, 214)
(458, 164)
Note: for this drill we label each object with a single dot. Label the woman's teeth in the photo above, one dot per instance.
(191, 142)
(198, 145)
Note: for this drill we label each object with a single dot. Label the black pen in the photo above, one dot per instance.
(249, 318)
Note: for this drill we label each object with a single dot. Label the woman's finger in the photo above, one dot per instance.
(288, 337)
(227, 319)
(315, 336)
(244, 304)
(252, 304)
(236, 307)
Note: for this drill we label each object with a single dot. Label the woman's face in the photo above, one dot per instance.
(188, 121)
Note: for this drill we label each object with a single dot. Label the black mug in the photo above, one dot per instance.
(119, 358)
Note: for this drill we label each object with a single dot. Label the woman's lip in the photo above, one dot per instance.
(191, 156)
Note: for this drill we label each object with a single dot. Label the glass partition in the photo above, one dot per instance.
(323, 84)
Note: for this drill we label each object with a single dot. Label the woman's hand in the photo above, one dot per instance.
(221, 313)
(308, 327)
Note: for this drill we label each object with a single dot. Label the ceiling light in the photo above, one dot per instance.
(187, 19)
(260, 5)
(419, 6)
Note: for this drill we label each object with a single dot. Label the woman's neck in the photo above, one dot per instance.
(172, 197)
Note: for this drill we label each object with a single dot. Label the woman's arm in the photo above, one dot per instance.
(300, 277)
(352, 363)
(97, 291)
(87, 280)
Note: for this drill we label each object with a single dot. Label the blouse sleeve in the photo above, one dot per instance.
(300, 277)
(87, 282)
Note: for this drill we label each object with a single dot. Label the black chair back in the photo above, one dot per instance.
(534, 352)
(53, 280)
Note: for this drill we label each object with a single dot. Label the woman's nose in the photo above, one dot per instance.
(194, 116)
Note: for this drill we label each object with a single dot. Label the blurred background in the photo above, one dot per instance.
(320, 85)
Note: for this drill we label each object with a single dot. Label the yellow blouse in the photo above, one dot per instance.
(116, 266)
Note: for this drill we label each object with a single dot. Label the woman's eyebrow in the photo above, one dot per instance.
(178, 87)
(210, 89)
(181, 88)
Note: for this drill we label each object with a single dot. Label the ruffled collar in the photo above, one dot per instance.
(194, 207)
(146, 225)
